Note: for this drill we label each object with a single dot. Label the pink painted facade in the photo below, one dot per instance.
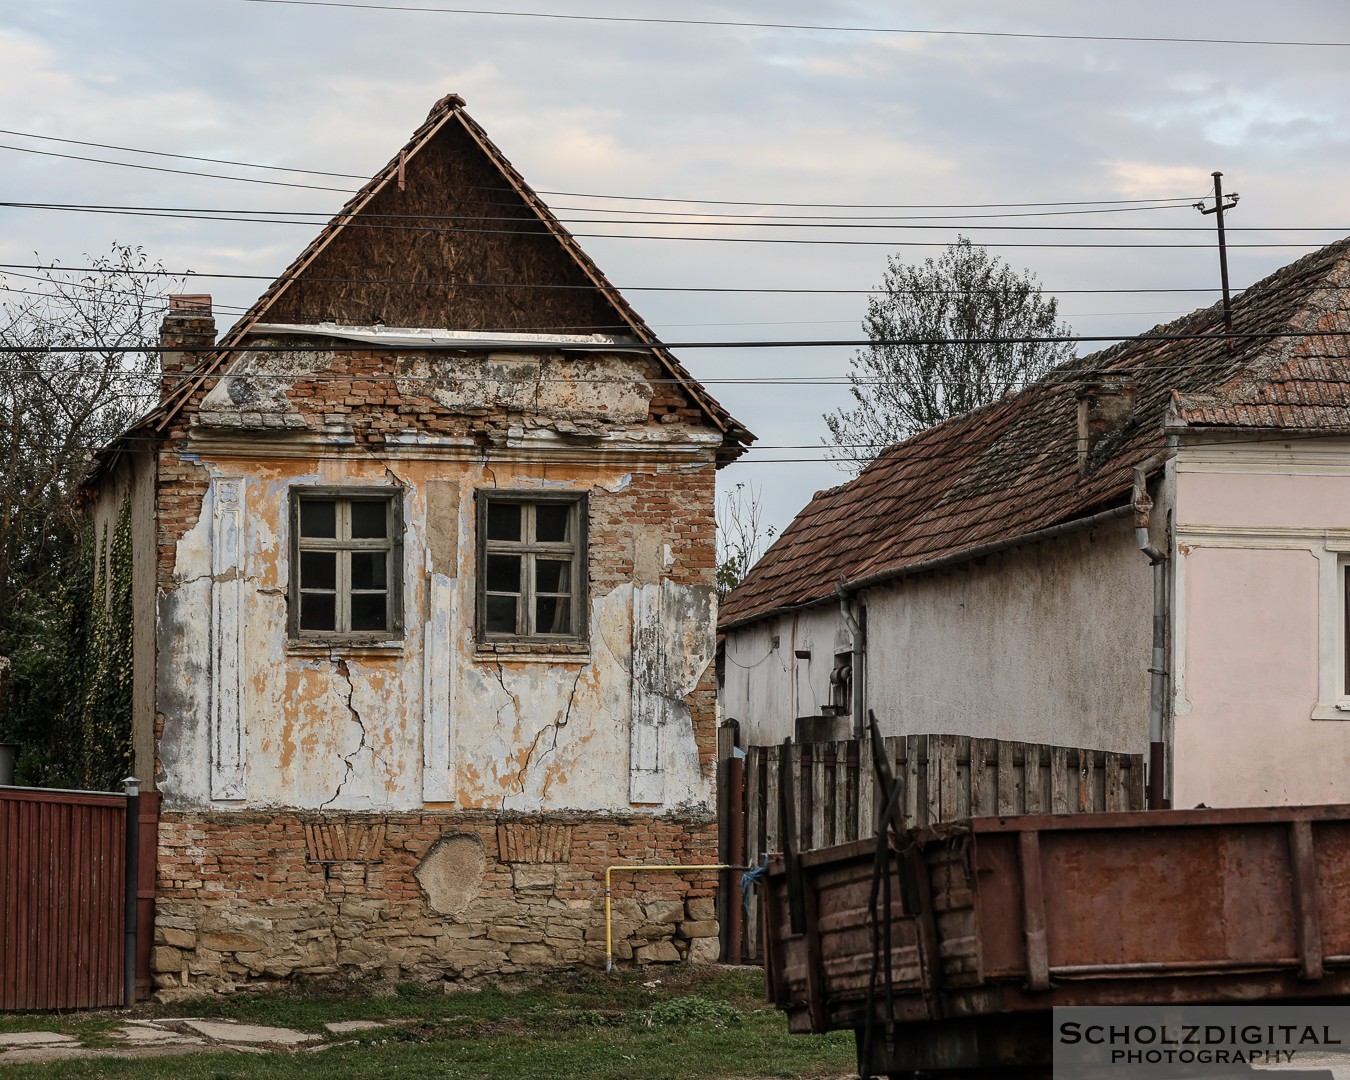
(1260, 710)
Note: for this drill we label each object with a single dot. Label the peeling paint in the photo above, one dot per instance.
(524, 733)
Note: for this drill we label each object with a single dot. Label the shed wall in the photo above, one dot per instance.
(1047, 643)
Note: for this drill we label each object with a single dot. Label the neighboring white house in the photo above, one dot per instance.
(998, 573)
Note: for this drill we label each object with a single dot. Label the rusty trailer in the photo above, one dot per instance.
(991, 922)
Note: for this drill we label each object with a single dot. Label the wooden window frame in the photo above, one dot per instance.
(343, 546)
(530, 550)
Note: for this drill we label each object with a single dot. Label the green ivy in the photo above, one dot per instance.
(68, 702)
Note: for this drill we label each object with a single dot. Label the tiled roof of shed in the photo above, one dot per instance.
(1011, 468)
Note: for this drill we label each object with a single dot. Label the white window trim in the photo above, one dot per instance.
(1333, 702)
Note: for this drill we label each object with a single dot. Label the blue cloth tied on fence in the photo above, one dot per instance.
(750, 878)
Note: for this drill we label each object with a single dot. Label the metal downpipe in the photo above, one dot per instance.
(858, 661)
(1143, 506)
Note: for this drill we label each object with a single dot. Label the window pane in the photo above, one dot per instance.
(318, 570)
(318, 611)
(369, 519)
(503, 521)
(318, 517)
(552, 575)
(369, 611)
(369, 569)
(501, 614)
(551, 521)
(552, 615)
(503, 573)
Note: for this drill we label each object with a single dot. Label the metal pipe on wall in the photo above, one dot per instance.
(858, 661)
(1143, 505)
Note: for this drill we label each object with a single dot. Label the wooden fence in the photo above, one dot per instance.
(65, 922)
(946, 777)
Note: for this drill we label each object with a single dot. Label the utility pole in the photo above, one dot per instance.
(1218, 211)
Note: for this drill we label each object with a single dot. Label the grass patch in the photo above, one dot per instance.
(674, 1024)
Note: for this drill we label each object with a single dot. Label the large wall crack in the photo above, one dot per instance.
(555, 729)
(345, 672)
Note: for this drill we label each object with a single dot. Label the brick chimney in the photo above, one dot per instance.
(1105, 405)
(188, 326)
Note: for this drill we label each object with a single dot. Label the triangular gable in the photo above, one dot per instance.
(449, 235)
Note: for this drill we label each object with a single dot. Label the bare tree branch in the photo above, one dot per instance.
(963, 298)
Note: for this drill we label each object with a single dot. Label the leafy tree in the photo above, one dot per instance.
(64, 604)
(741, 535)
(945, 339)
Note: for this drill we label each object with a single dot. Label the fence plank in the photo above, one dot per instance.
(947, 800)
(867, 819)
(1137, 798)
(983, 775)
(772, 799)
(1031, 779)
(801, 793)
(1115, 791)
(842, 795)
(820, 808)
(1006, 781)
(1059, 780)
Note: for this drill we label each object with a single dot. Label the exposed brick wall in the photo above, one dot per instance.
(249, 897)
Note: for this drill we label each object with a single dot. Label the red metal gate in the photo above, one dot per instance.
(63, 897)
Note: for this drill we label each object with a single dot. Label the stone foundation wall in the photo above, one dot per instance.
(250, 897)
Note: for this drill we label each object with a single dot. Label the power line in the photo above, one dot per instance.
(587, 287)
(418, 222)
(813, 27)
(176, 172)
(1186, 200)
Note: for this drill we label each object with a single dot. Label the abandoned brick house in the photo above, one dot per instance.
(423, 570)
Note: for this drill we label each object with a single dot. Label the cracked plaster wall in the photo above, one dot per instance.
(341, 729)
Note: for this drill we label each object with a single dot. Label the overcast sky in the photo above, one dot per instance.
(745, 114)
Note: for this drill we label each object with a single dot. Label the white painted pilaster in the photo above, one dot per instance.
(438, 774)
(650, 707)
(227, 640)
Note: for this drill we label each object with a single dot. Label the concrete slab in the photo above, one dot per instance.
(35, 1038)
(223, 1031)
(141, 1035)
(345, 1027)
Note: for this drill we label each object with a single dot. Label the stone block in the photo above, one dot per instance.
(530, 955)
(164, 958)
(514, 935)
(704, 928)
(179, 939)
(705, 951)
(664, 912)
(699, 908)
(658, 952)
(528, 877)
(227, 941)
